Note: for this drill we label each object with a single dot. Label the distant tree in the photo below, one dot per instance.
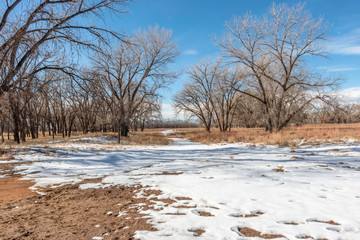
(194, 100)
(134, 72)
(274, 49)
(211, 95)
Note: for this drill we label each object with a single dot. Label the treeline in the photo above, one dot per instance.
(263, 78)
(171, 124)
(116, 92)
(62, 71)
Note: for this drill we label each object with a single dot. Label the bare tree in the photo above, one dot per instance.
(225, 97)
(274, 50)
(249, 113)
(194, 100)
(45, 27)
(149, 110)
(134, 72)
(212, 94)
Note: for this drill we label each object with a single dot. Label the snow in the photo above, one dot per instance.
(280, 186)
(97, 238)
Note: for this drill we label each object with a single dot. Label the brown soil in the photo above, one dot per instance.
(291, 223)
(71, 213)
(197, 232)
(12, 188)
(249, 232)
(183, 198)
(175, 214)
(214, 207)
(205, 214)
(279, 169)
(255, 214)
(11, 185)
(185, 206)
(331, 222)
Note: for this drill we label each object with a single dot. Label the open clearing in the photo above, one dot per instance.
(185, 190)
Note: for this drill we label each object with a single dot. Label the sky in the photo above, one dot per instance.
(196, 22)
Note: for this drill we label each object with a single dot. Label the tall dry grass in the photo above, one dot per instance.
(291, 136)
(148, 137)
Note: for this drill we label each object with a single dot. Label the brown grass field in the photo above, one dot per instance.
(291, 136)
(147, 137)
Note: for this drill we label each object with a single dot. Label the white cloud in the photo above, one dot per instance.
(350, 94)
(348, 44)
(167, 111)
(337, 68)
(190, 52)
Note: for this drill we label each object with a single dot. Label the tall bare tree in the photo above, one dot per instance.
(194, 100)
(52, 26)
(134, 72)
(274, 49)
(212, 94)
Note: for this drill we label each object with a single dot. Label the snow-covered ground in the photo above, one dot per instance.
(288, 192)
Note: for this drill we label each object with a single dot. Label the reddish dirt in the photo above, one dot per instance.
(306, 237)
(71, 213)
(279, 169)
(249, 232)
(175, 214)
(183, 198)
(205, 214)
(196, 232)
(331, 222)
(12, 188)
(185, 206)
(291, 223)
(255, 214)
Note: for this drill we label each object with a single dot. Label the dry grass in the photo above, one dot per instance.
(148, 137)
(291, 136)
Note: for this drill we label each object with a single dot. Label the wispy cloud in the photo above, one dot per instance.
(167, 111)
(338, 68)
(190, 52)
(347, 44)
(350, 94)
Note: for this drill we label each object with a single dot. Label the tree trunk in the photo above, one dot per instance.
(16, 122)
(143, 125)
(124, 129)
(2, 133)
(119, 132)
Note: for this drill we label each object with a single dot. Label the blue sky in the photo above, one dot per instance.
(194, 22)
